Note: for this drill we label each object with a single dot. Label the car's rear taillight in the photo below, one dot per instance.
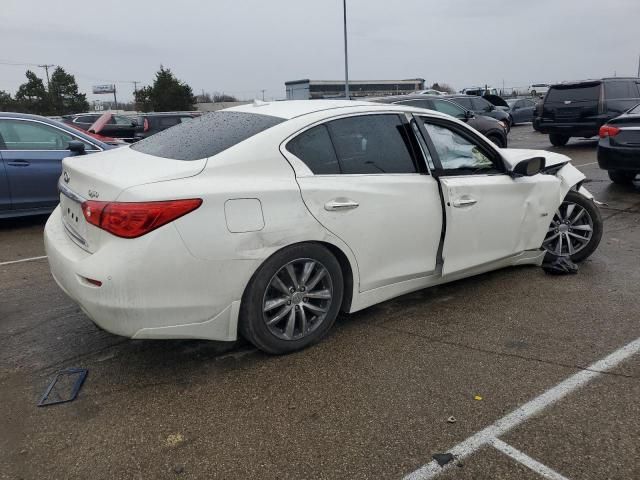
(608, 131)
(145, 125)
(134, 219)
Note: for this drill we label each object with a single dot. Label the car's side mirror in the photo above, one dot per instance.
(134, 123)
(77, 147)
(468, 114)
(528, 167)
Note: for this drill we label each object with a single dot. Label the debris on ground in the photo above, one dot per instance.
(451, 419)
(442, 458)
(477, 397)
(560, 266)
(174, 439)
(64, 387)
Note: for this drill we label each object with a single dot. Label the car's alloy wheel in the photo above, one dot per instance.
(297, 299)
(575, 230)
(293, 299)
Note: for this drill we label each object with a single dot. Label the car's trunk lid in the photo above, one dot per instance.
(103, 177)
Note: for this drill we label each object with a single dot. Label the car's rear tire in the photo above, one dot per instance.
(292, 300)
(622, 177)
(576, 229)
(558, 140)
(499, 141)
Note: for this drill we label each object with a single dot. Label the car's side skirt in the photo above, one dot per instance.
(381, 294)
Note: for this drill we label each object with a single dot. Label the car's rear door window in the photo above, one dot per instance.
(207, 135)
(370, 144)
(315, 149)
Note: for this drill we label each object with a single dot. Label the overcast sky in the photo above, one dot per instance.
(243, 46)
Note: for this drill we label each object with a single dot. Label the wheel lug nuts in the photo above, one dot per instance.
(302, 289)
(291, 289)
(305, 299)
(288, 302)
(297, 307)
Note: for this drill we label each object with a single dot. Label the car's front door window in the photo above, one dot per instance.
(458, 154)
(24, 135)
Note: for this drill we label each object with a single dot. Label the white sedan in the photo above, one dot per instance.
(268, 219)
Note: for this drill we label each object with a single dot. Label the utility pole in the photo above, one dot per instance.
(262, 94)
(346, 59)
(638, 65)
(135, 86)
(46, 69)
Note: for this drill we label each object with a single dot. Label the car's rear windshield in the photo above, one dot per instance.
(574, 93)
(206, 136)
(635, 110)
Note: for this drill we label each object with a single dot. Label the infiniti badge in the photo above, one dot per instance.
(65, 175)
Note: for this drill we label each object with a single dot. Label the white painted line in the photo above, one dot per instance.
(22, 260)
(527, 461)
(529, 409)
(585, 164)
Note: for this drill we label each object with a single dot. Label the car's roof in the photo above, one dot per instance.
(399, 98)
(288, 109)
(23, 115)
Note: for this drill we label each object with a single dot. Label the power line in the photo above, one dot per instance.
(46, 69)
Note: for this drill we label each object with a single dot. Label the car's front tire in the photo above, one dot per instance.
(576, 229)
(497, 139)
(558, 140)
(293, 299)
(622, 177)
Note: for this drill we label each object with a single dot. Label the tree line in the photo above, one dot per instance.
(60, 96)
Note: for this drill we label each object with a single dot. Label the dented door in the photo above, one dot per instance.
(490, 217)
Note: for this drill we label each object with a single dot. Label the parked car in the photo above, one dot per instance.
(268, 219)
(482, 106)
(521, 109)
(31, 152)
(579, 109)
(490, 127)
(152, 123)
(107, 124)
(619, 147)
(104, 139)
(428, 91)
(538, 89)
(479, 91)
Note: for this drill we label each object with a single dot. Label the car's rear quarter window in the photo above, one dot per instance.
(206, 135)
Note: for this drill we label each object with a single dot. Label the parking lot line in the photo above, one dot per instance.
(22, 260)
(526, 460)
(585, 164)
(529, 409)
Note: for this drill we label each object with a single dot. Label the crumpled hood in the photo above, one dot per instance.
(512, 156)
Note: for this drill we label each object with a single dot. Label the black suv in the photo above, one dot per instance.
(579, 109)
(151, 123)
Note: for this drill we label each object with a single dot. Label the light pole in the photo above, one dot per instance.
(346, 58)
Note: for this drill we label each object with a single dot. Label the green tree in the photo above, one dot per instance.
(64, 97)
(7, 104)
(31, 96)
(167, 94)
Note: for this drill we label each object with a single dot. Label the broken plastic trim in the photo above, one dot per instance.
(80, 374)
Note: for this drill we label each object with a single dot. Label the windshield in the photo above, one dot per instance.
(635, 110)
(206, 136)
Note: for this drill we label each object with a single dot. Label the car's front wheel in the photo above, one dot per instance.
(621, 177)
(576, 229)
(293, 299)
(558, 140)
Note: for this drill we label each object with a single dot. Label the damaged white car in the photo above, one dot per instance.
(266, 220)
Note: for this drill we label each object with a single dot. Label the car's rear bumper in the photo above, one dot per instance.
(618, 158)
(152, 287)
(569, 129)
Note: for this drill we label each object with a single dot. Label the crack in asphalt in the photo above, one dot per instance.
(441, 340)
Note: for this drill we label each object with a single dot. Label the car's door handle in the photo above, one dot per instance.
(464, 202)
(19, 163)
(335, 205)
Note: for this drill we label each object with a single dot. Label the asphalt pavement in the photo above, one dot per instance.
(374, 400)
